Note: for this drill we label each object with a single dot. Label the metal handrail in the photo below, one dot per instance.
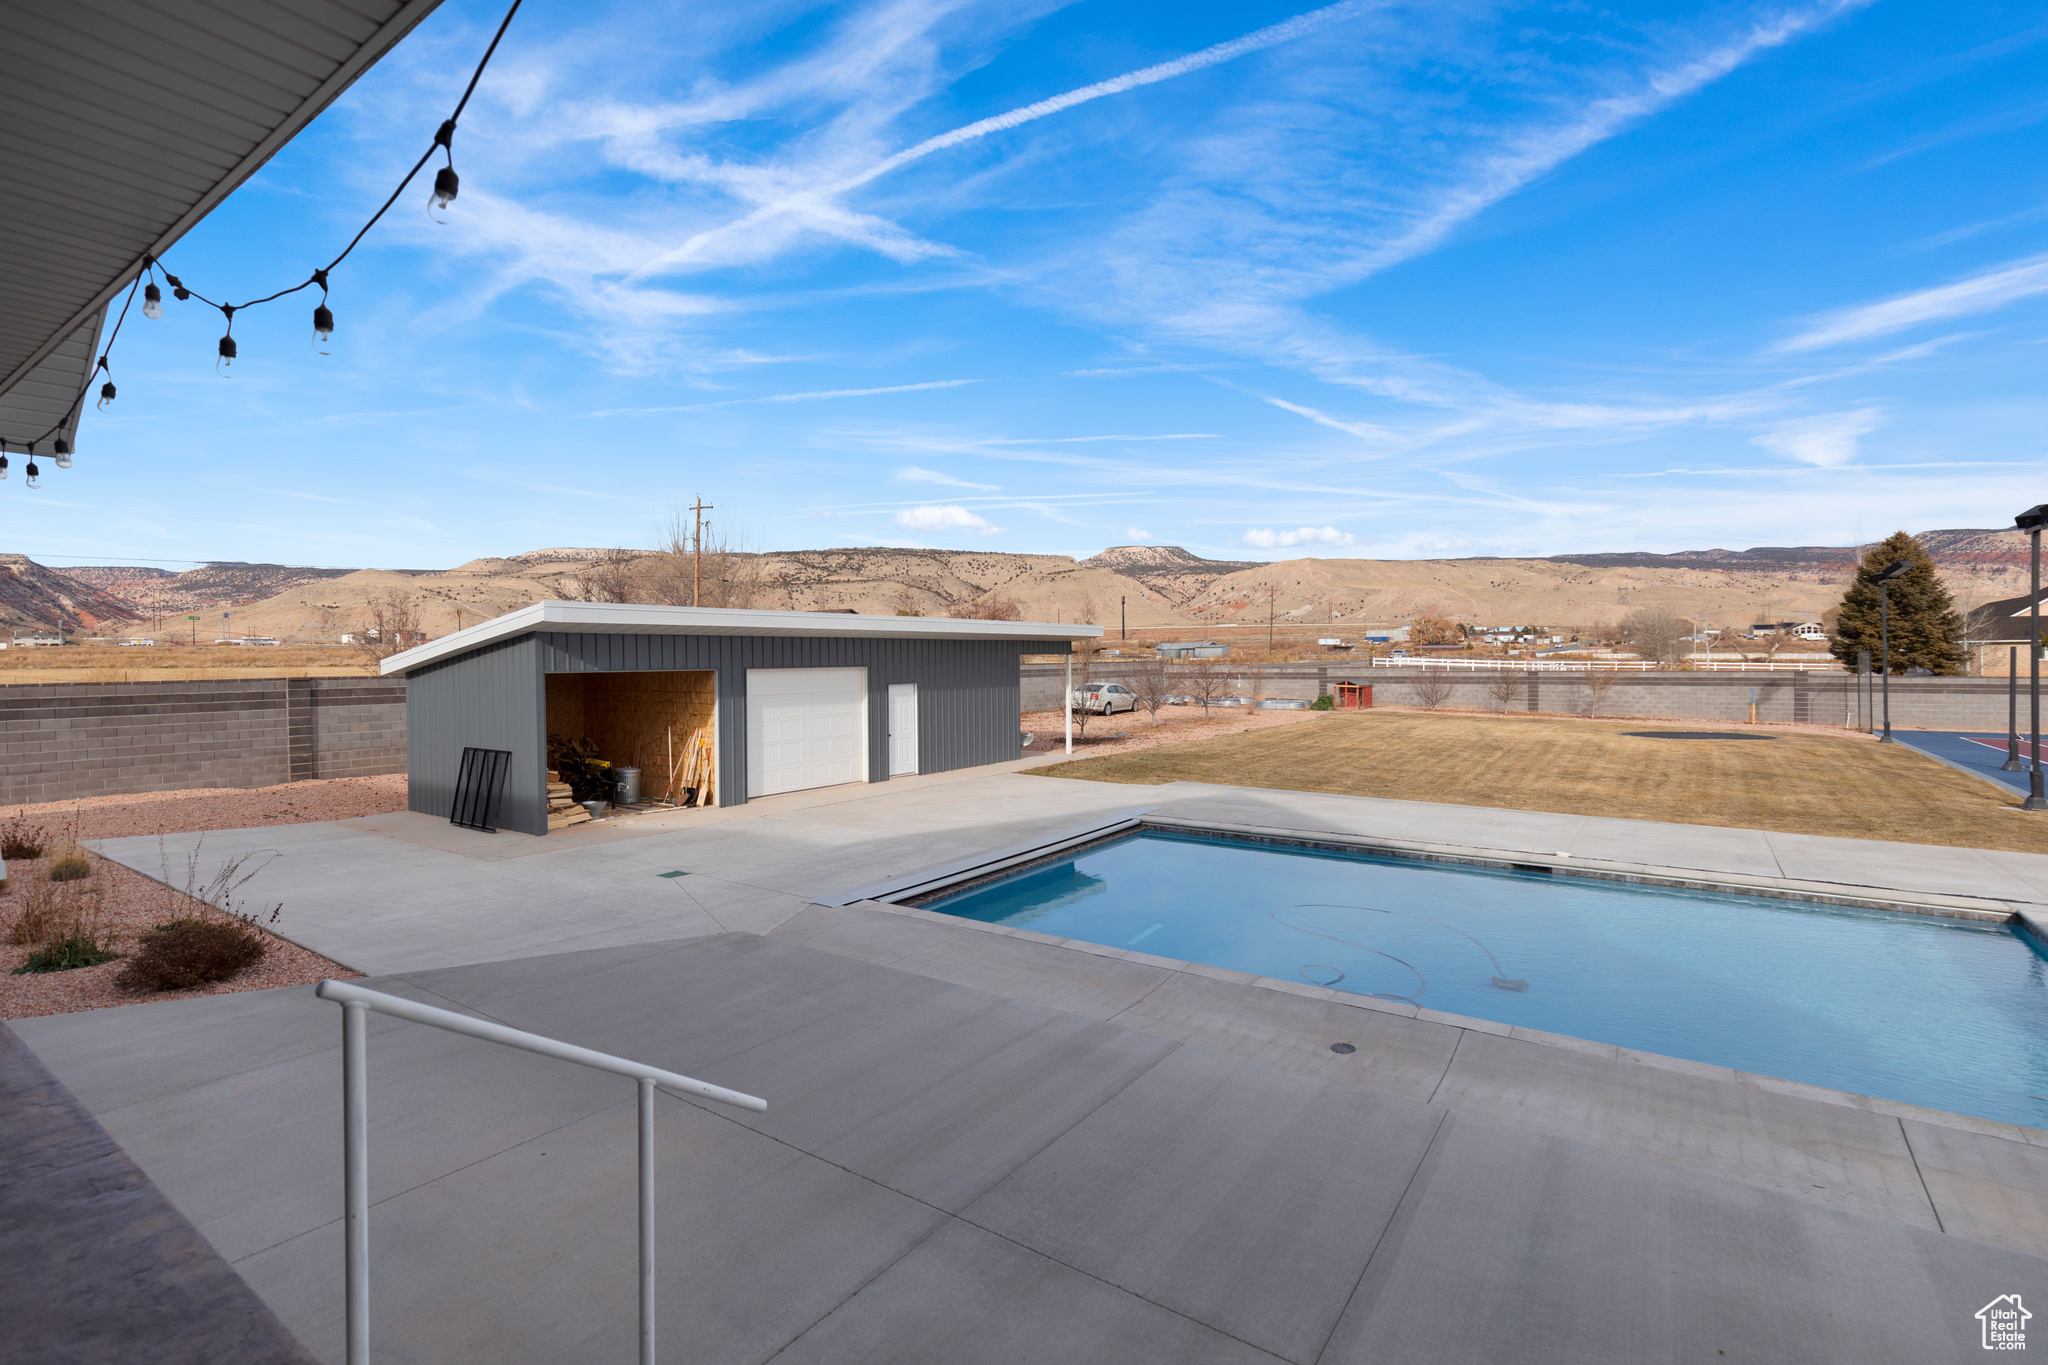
(1612, 665)
(356, 1002)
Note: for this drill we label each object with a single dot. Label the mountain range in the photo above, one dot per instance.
(1147, 586)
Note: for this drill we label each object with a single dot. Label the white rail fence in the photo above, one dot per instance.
(1612, 665)
(356, 1002)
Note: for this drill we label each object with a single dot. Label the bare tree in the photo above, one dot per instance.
(1432, 687)
(990, 606)
(1599, 682)
(1252, 677)
(1206, 682)
(1085, 652)
(1149, 682)
(1654, 633)
(608, 577)
(907, 602)
(393, 625)
(1501, 688)
(715, 570)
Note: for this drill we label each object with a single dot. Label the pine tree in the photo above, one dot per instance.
(1926, 628)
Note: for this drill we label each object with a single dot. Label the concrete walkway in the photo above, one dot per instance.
(952, 1174)
(95, 1264)
(988, 1145)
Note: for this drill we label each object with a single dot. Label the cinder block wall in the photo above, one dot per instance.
(1814, 698)
(60, 741)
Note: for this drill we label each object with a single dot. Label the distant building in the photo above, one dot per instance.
(1193, 649)
(25, 638)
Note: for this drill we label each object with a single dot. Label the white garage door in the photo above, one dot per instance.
(806, 727)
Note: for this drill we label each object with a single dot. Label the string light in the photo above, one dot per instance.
(30, 474)
(446, 182)
(323, 316)
(446, 185)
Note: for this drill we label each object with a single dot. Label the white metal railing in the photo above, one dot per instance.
(356, 1002)
(1611, 665)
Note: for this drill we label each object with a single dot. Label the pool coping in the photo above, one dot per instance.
(2028, 917)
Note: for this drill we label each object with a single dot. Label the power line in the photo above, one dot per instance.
(446, 185)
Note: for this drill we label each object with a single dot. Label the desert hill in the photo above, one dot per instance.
(1156, 587)
(32, 596)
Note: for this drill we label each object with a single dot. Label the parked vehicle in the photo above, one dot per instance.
(1104, 699)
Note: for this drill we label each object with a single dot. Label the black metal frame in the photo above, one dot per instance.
(480, 789)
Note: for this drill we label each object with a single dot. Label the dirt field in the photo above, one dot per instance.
(178, 662)
(1799, 781)
(1132, 731)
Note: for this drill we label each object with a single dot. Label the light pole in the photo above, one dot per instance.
(1884, 635)
(2031, 522)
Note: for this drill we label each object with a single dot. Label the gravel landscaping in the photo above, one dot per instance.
(119, 905)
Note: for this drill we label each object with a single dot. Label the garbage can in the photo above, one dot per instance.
(628, 785)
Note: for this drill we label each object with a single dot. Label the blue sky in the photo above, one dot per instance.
(1259, 279)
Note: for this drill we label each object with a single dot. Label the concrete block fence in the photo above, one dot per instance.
(60, 741)
(1814, 698)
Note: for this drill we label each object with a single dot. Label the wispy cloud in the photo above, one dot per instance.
(950, 517)
(1980, 293)
(818, 205)
(1078, 440)
(1265, 538)
(1827, 441)
(814, 396)
(910, 473)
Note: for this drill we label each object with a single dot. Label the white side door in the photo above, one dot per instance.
(902, 729)
(806, 727)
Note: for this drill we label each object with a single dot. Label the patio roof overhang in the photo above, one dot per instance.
(128, 121)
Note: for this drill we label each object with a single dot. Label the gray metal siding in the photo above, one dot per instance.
(967, 689)
(492, 698)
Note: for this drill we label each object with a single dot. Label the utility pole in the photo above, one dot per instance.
(700, 507)
(1272, 603)
(1122, 622)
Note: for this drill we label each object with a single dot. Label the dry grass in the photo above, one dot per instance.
(180, 663)
(1798, 782)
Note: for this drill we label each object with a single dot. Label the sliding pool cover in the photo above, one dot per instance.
(1952, 1014)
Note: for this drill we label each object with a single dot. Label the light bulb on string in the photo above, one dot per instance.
(152, 302)
(226, 357)
(323, 316)
(3, 466)
(106, 395)
(30, 474)
(446, 181)
(446, 184)
(63, 459)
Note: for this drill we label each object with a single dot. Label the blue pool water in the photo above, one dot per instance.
(1952, 1014)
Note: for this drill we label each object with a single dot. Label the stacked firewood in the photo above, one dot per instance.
(562, 808)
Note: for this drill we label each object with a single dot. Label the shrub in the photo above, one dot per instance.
(79, 949)
(70, 863)
(1326, 702)
(21, 840)
(191, 952)
(52, 912)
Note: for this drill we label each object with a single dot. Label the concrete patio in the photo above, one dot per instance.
(987, 1145)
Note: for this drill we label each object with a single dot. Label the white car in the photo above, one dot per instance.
(1104, 699)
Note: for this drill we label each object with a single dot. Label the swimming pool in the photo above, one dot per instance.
(1948, 1013)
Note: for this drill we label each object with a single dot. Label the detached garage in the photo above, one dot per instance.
(775, 701)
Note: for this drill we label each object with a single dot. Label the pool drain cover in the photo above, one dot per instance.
(1342, 1049)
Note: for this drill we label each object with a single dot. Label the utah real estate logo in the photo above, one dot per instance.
(2005, 1323)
